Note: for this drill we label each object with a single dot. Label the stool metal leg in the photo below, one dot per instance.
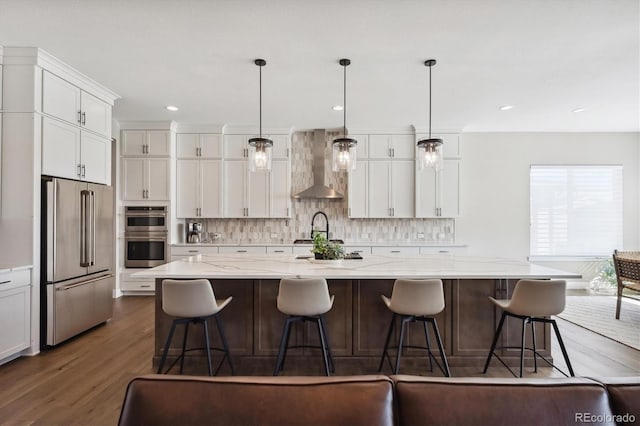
(386, 342)
(284, 342)
(207, 345)
(323, 346)
(440, 348)
(402, 327)
(426, 335)
(225, 346)
(166, 347)
(332, 366)
(493, 344)
(533, 338)
(184, 345)
(522, 337)
(562, 348)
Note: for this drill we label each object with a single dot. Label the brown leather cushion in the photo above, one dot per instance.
(183, 400)
(624, 394)
(480, 401)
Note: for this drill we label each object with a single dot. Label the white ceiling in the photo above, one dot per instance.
(545, 57)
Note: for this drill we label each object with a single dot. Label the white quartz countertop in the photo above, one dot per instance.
(239, 266)
(346, 243)
(5, 268)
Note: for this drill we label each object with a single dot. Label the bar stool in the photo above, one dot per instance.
(304, 299)
(193, 301)
(415, 300)
(532, 301)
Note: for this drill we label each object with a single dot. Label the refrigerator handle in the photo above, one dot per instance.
(93, 228)
(84, 258)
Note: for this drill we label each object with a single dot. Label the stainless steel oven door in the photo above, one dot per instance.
(145, 219)
(145, 249)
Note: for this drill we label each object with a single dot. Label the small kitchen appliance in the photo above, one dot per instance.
(194, 232)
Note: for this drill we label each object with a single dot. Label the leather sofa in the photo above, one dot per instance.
(378, 400)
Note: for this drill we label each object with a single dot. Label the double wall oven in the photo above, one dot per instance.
(145, 236)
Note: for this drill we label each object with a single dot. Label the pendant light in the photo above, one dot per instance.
(344, 148)
(430, 149)
(260, 148)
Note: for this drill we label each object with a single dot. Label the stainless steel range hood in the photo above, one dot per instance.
(319, 189)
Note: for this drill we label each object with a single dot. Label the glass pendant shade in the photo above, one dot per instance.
(344, 154)
(260, 154)
(344, 148)
(260, 148)
(430, 154)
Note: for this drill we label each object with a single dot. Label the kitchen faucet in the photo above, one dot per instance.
(326, 220)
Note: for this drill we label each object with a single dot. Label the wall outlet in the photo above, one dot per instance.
(217, 235)
(273, 235)
(421, 235)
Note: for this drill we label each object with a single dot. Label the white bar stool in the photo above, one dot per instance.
(193, 301)
(532, 301)
(415, 300)
(304, 299)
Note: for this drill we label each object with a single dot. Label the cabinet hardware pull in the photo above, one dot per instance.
(79, 117)
(79, 170)
(395, 251)
(84, 118)
(84, 170)
(5, 282)
(278, 251)
(241, 251)
(145, 285)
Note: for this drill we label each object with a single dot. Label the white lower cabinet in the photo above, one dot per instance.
(244, 249)
(129, 283)
(15, 312)
(395, 250)
(437, 193)
(199, 188)
(145, 179)
(279, 250)
(185, 252)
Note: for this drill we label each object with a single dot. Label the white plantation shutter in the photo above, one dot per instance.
(575, 210)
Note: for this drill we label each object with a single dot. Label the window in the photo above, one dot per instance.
(576, 211)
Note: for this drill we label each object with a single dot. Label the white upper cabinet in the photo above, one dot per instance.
(235, 182)
(390, 189)
(95, 153)
(280, 189)
(68, 102)
(281, 146)
(199, 188)
(402, 188)
(391, 146)
(193, 145)
(358, 187)
(437, 193)
(145, 179)
(362, 147)
(146, 143)
(236, 146)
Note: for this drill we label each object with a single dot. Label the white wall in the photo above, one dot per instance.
(495, 184)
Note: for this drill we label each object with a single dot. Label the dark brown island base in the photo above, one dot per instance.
(358, 322)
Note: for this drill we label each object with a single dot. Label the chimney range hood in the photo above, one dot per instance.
(319, 190)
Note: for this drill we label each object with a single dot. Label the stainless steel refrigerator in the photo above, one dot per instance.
(77, 254)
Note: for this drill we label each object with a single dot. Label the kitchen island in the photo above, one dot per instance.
(358, 321)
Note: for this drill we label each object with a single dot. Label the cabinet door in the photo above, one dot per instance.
(402, 188)
(362, 147)
(187, 188)
(15, 314)
(95, 153)
(134, 142)
(379, 146)
(426, 193)
(258, 193)
(450, 189)
(235, 174)
(210, 145)
(158, 142)
(60, 98)
(187, 145)
(96, 114)
(403, 146)
(280, 146)
(157, 178)
(235, 146)
(60, 149)
(210, 188)
(280, 189)
(379, 188)
(133, 178)
(358, 197)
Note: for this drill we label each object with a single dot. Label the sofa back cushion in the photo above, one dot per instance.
(184, 400)
(624, 394)
(490, 401)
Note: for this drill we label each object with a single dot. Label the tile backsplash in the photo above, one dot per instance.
(250, 231)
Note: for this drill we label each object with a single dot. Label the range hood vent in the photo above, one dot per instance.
(319, 190)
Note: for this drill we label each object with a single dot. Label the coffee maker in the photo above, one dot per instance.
(194, 232)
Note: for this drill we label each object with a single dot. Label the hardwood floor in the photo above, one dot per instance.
(83, 381)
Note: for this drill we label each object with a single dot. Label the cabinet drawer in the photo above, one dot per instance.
(302, 249)
(15, 279)
(244, 249)
(192, 251)
(279, 250)
(441, 250)
(395, 250)
(357, 249)
(138, 286)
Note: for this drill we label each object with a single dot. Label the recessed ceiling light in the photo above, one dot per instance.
(506, 107)
(172, 108)
(579, 109)
(338, 108)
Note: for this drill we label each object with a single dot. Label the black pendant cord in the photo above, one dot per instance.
(260, 97)
(429, 102)
(344, 97)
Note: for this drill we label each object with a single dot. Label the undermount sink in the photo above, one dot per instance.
(305, 241)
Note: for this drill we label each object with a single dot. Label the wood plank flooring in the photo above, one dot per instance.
(83, 381)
